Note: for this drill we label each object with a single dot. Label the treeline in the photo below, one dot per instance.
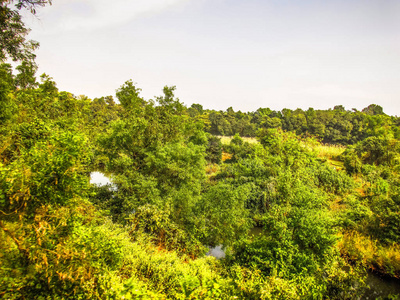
(333, 126)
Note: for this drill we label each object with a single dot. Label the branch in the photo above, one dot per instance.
(30, 4)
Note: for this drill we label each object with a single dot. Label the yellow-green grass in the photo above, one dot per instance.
(329, 151)
(335, 163)
(227, 139)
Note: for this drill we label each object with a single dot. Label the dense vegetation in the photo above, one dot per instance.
(326, 213)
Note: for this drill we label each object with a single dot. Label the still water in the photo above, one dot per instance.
(99, 179)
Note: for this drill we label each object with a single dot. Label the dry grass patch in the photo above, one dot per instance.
(226, 156)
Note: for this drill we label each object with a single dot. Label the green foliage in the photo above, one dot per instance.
(379, 150)
(351, 161)
(373, 109)
(145, 235)
(12, 35)
(49, 168)
(128, 96)
(332, 180)
(26, 77)
(7, 105)
(239, 149)
(224, 214)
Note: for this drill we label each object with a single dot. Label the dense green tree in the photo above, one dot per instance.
(214, 150)
(26, 76)
(152, 158)
(224, 214)
(198, 107)
(373, 109)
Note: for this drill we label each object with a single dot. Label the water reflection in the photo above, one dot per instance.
(217, 252)
(99, 179)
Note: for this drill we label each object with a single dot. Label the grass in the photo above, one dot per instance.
(335, 163)
(227, 139)
(329, 152)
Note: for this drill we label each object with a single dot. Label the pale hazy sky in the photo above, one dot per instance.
(245, 54)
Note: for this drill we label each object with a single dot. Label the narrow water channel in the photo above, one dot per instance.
(379, 287)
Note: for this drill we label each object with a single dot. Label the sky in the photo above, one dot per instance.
(243, 54)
